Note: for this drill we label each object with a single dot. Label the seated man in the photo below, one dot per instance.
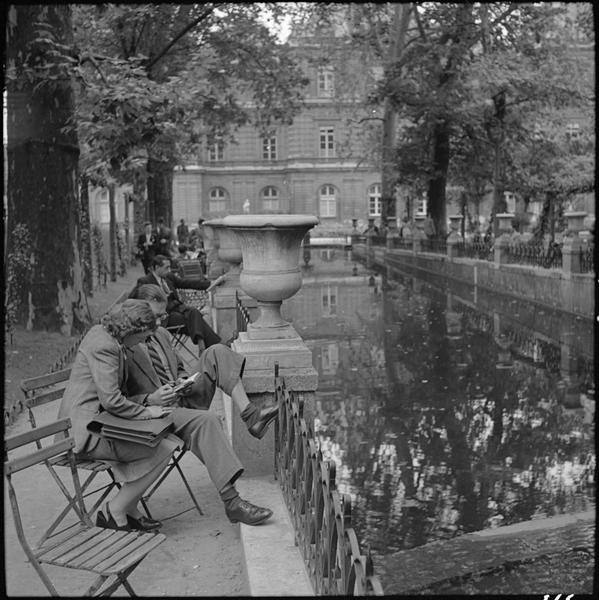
(179, 313)
(218, 367)
(98, 382)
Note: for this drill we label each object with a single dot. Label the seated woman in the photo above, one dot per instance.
(97, 377)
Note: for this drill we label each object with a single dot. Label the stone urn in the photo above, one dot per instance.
(454, 225)
(504, 222)
(270, 248)
(229, 248)
(575, 221)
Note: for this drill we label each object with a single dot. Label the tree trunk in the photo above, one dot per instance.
(113, 250)
(140, 206)
(401, 19)
(160, 191)
(436, 187)
(42, 171)
(85, 233)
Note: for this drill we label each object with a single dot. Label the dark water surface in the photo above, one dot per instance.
(446, 410)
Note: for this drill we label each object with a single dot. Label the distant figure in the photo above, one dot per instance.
(405, 231)
(196, 238)
(164, 237)
(246, 206)
(182, 232)
(429, 227)
(147, 246)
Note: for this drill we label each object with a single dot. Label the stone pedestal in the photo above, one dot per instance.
(295, 365)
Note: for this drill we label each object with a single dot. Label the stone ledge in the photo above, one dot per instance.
(273, 563)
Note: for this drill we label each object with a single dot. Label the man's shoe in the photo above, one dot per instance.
(265, 417)
(242, 511)
(143, 523)
(107, 521)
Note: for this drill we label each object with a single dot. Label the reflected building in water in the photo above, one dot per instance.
(445, 411)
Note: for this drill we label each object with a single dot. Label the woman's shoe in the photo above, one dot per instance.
(143, 523)
(108, 522)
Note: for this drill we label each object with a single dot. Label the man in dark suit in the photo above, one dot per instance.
(147, 246)
(179, 313)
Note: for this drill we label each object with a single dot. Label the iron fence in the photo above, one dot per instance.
(436, 245)
(320, 514)
(403, 242)
(536, 254)
(587, 260)
(242, 315)
(475, 249)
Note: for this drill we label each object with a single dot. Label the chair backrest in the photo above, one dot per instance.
(191, 269)
(41, 390)
(16, 459)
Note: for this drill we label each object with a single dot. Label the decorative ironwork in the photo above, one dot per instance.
(320, 514)
(536, 254)
(475, 249)
(405, 243)
(242, 314)
(587, 260)
(436, 245)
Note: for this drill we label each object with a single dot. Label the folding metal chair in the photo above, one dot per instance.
(110, 554)
(181, 340)
(40, 391)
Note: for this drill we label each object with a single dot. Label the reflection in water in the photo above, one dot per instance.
(443, 418)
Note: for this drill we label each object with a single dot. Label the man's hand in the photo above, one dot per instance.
(163, 396)
(185, 391)
(218, 281)
(159, 411)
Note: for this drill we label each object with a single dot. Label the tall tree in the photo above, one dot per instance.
(42, 165)
(180, 77)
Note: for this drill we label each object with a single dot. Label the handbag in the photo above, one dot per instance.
(139, 431)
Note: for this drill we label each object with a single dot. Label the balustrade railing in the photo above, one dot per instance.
(475, 249)
(536, 254)
(242, 314)
(436, 245)
(587, 260)
(320, 514)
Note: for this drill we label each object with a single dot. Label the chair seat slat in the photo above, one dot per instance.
(57, 547)
(100, 543)
(130, 556)
(35, 400)
(126, 543)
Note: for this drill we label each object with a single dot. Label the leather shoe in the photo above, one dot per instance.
(143, 523)
(265, 417)
(108, 522)
(242, 511)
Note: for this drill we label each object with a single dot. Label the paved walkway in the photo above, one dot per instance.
(203, 555)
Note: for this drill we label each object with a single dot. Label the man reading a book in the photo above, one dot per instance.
(154, 369)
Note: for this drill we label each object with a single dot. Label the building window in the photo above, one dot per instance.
(218, 200)
(422, 206)
(270, 199)
(329, 300)
(573, 130)
(326, 82)
(269, 148)
(374, 200)
(327, 201)
(330, 358)
(216, 151)
(327, 142)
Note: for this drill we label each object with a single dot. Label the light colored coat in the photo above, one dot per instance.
(97, 377)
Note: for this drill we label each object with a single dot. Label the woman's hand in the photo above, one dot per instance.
(163, 396)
